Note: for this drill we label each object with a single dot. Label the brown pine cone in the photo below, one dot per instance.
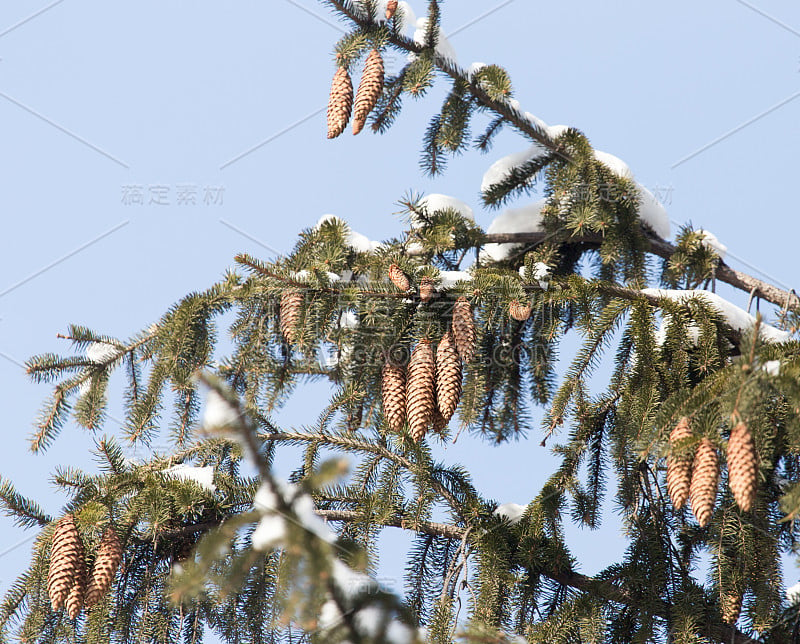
(438, 424)
(398, 277)
(340, 103)
(705, 478)
(76, 592)
(679, 465)
(109, 555)
(426, 289)
(391, 7)
(393, 394)
(421, 389)
(519, 311)
(290, 308)
(464, 329)
(742, 466)
(448, 377)
(369, 90)
(66, 559)
(730, 606)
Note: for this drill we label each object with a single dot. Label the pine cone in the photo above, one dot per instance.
(391, 7)
(742, 466)
(109, 554)
(448, 377)
(340, 103)
(438, 424)
(464, 329)
(66, 559)
(398, 277)
(519, 311)
(426, 289)
(730, 606)
(679, 465)
(421, 389)
(76, 592)
(393, 392)
(291, 305)
(369, 90)
(705, 477)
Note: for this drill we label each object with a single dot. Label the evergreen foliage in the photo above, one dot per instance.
(199, 558)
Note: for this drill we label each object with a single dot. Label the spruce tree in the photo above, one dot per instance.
(695, 434)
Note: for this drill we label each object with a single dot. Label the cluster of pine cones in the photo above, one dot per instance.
(427, 290)
(428, 390)
(694, 475)
(67, 581)
(341, 105)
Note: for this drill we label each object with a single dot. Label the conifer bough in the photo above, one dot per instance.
(515, 572)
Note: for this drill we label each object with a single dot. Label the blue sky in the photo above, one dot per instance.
(99, 102)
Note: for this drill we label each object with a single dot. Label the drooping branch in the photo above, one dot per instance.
(712, 628)
(359, 445)
(425, 527)
(502, 108)
(737, 279)
(662, 248)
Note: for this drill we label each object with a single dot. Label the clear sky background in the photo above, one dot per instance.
(102, 101)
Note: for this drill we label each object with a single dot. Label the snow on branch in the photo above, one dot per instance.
(737, 318)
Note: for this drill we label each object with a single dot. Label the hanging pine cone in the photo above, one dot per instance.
(369, 90)
(679, 465)
(66, 559)
(393, 394)
(340, 103)
(705, 477)
(398, 277)
(439, 423)
(448, 377)
(291, 305)
(519, 311)
(730, 606)
(426, 289)
(391, 7)
(464, 329)
(742, 466)
(421, 389)
(109, 554)
(76, 592)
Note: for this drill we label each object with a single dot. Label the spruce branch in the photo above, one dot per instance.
(661, 248)
(504, 110)
(500, 107)
(602, 589)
